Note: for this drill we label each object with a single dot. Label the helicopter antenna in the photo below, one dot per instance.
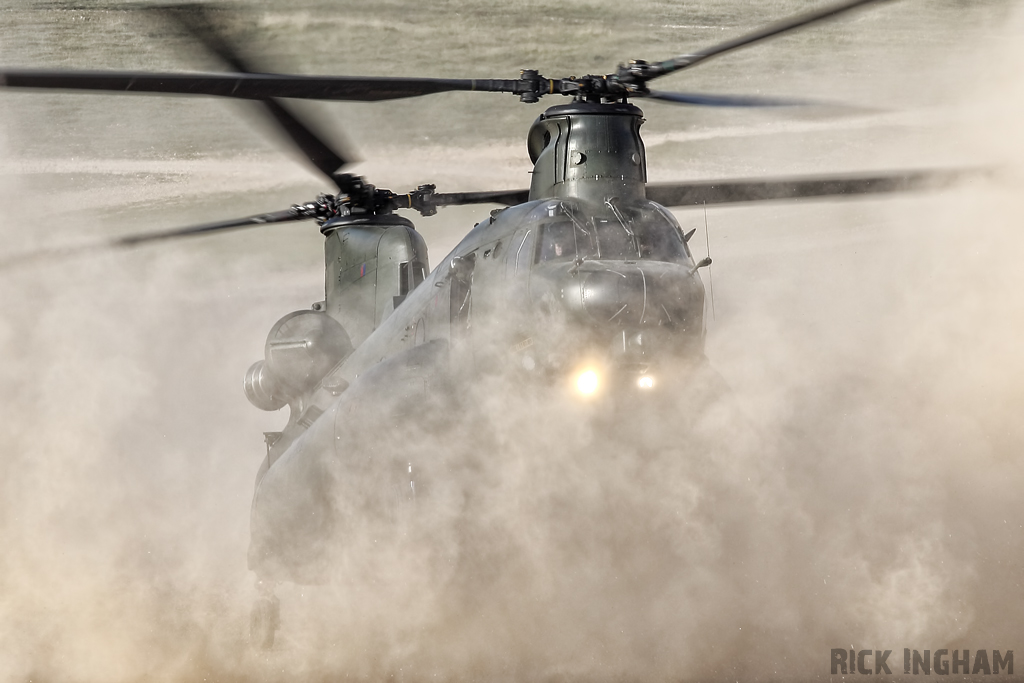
(711, 277)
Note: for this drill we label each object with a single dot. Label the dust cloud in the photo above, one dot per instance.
(857, 485)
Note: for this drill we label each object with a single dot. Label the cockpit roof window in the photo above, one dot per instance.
(625, 236)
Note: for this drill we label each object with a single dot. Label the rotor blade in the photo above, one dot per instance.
(325, 159)
(784, 26)
(196, 21)
(506, 197)
(56, 253)
(249, 86)
(727, 100)
(426, 201)
(207, 228)
(756, 190)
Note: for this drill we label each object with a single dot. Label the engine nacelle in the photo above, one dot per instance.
(260, 388)
(301, 348)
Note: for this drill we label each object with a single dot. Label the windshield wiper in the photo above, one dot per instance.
(610, 203)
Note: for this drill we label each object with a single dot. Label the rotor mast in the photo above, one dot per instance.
(588, 151)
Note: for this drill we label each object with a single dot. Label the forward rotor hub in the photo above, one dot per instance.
(616, 87)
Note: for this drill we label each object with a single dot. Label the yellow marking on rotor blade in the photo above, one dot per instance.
(551, 86)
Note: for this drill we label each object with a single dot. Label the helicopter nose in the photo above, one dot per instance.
(641, 295)
(616, 296)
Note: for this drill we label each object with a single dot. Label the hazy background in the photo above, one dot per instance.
(873, 343)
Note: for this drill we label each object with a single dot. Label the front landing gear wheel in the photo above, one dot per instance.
(263, 622)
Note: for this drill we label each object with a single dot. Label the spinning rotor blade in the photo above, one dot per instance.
(506, 197)
(252, 221)
(196, 21)
(735, 191)
(20, 260)
(630, 80)
(326, 160)
(727, 100)
(248, 86)
(784, 26)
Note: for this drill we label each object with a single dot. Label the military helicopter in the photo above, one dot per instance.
(584, 280)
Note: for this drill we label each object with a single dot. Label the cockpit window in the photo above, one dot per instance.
(564, 241)
(643, 233)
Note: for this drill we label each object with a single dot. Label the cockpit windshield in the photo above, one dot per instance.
(568, 234)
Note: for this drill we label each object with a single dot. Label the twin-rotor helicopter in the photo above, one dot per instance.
(584, 279)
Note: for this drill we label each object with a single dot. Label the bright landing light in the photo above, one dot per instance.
(645, 382)
(587, 382)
